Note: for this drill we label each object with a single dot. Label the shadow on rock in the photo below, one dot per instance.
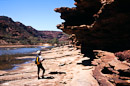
(85, 63)
(49, 77)
(55, 72)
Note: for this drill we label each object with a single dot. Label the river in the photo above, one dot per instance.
(8, 56)
(23, 50)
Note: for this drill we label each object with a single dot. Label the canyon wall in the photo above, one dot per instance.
(12, 32)
(98, 24)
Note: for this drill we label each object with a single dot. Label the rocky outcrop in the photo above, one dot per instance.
(98, 24)
(17, 33)
(48, 35)
(109, 71)
(123, 56)
(61, 68)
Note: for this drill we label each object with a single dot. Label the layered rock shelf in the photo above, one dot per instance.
(63, 66)
(66, 66)
(98, 24)
(109, 71)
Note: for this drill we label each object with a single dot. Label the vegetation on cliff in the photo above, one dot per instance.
(17, 33)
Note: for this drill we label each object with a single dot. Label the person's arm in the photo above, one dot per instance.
(41, 58)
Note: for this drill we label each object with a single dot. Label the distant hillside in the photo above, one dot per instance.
(48, 35)
(54, 37)
(17, 33)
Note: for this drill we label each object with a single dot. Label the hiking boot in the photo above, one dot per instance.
(42, 77)
(38, 77)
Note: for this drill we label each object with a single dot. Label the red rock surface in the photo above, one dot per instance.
(109, 71)
(101, 25)
(123, 56)
(17, 33)
(54, 34)
(98, 24)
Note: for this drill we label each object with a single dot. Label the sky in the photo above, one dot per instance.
(39, 14)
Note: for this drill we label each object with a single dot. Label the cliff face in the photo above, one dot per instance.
(98, 24)
(101, 25)
(17, 33)
(48, 35)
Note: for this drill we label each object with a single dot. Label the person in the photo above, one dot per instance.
(39, 64)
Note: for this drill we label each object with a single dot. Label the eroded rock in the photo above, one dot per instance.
(98, 24)
(110, 71)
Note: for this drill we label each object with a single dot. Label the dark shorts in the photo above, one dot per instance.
(40, 66)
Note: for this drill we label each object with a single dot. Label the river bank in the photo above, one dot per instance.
(63, 66)
(8, 56)
(17, 46)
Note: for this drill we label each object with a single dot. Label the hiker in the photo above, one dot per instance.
(39, 59)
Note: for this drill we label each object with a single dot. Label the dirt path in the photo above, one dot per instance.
(63, 68)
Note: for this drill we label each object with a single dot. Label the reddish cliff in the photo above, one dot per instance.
(54, 34)
(98, 24)
(101, 25)
(17, 33)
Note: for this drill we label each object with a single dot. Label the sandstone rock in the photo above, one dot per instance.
(101, 25)
(123, 56)
(109, 71)
(98, 24)
(67, 74)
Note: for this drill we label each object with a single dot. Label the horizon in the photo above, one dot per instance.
(38, 14)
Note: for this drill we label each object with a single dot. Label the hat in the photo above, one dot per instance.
(38, 52)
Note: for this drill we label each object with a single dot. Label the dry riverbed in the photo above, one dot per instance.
(63, 68)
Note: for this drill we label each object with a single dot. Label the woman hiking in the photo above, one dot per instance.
(38, 61)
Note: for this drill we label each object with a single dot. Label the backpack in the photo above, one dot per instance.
(37, 60)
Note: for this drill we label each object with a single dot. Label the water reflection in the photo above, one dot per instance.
(9, 51)
(8, 56)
